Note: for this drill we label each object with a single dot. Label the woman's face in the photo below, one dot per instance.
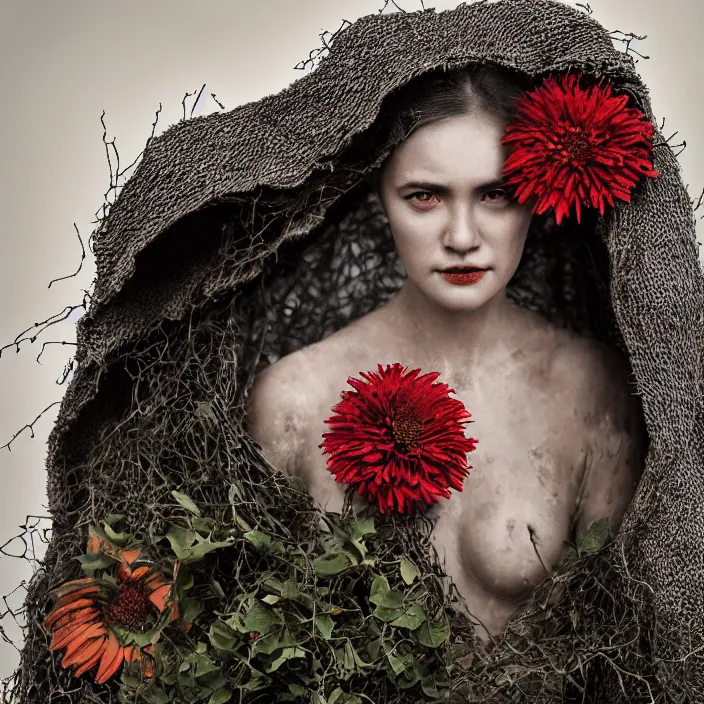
(442, 191)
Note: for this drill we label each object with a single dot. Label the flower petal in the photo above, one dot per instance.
(70, 633)
(160, 596)
(55, 614)
(90, 663)
(75, 618)
(140, 572)
(112, 658)
(80, 651)
(129, 556)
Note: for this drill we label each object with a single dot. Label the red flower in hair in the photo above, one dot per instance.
(576, 146)
(399, 439)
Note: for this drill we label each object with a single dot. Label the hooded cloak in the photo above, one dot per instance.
(245, 235)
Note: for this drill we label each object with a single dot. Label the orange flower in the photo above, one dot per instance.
(85, 613)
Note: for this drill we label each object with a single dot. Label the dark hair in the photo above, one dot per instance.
(441, 94)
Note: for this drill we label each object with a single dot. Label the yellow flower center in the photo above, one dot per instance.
(406, 430)
(131, 608)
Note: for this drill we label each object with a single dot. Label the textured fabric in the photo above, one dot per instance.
(257, 225)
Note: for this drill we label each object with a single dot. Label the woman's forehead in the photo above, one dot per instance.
(467, 146)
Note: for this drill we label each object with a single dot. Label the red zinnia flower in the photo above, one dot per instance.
(86, 611)
(576, 146)
(399, 439)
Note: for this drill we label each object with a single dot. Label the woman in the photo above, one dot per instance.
(253, 236)
(561, 442)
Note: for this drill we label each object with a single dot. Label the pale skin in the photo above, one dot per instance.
(560, 435)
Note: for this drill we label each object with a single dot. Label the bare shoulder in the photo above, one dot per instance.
(599, 374)
(289, 395)
(276, 408)
(612, 428)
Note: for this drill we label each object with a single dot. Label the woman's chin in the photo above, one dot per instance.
(463, 297)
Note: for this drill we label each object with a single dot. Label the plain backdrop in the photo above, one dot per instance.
(63, 63)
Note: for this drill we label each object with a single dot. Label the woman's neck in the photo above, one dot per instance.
(458, 336)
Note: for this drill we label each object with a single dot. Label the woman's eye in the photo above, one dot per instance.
(424, 197)
(496, 195)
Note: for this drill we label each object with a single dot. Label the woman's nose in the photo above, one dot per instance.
(462, 232)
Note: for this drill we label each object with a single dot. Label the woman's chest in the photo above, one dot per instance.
(517, 503)
(501, 535)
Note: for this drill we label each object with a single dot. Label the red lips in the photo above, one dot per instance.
(463, 277)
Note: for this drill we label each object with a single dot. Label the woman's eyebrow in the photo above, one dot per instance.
(430, 186)
(424, 186)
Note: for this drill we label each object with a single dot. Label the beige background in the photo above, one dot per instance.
(62, 63)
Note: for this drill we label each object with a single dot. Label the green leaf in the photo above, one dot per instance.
(220, 697)
(190, 608)
(382, 595)
(141, 639)
(271, 642)
(286, 654)
(222, 636)
(596, 537)
(430, 690)
(271, 583)
(182, 543)
(261, 541)
(359, 528)
(242, 523)
(185, 579)
(409, 571)
(397, 664)
(335, 695)
(203, 525)
(186, 502)
(380, 585)
(258, 681)
(95, 561)
(271, 599)
(328, 565)
(373, 648)
(217, 588)
(120, 539)
(155, 695)
(360, 548)
(297, 690)
(324, 624)
(387, 615)
(290, 591)
(180, 538)
(351, 653)
(113, 518)
(411, 619)
(131, 680)
(261, 618)
(204, 665)
(433, 635)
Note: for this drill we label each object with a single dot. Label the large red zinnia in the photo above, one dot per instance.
(398, 439)
(576, 146)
